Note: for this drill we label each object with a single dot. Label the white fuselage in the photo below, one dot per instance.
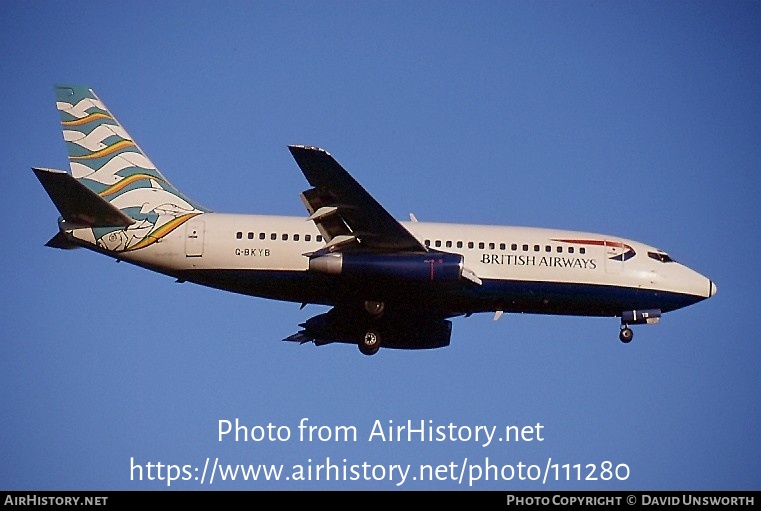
(213, 242)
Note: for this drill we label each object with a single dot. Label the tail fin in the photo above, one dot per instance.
(106, 161)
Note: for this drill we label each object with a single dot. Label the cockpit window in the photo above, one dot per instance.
(660, 256)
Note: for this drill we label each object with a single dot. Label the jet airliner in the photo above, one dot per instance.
(388, 283)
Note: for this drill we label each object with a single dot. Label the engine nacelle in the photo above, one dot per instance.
(641, 317)
(427, 267)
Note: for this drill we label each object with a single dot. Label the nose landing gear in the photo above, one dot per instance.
(626, 335)
(637, 317)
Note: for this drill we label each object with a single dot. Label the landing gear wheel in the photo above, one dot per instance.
(626, 335)
(374, 308)
(370, 343)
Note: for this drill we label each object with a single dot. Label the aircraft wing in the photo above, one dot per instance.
(348, 217)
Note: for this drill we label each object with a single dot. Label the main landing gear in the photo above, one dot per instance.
(370, 343)
(374, 309)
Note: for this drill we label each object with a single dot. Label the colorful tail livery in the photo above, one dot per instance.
(115, 197)
(390, 283)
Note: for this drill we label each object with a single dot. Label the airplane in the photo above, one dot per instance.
(389, 283)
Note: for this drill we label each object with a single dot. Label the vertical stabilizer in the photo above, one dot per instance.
(106, 160)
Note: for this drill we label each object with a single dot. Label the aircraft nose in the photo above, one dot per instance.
(713, 288)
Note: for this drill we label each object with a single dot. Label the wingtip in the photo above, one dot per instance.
(300, 337)
(294, 148)
(42, 171)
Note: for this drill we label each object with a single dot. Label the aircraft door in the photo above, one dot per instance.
(194, 238)
(614, 257)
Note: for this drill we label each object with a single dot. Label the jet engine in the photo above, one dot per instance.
(416, 267)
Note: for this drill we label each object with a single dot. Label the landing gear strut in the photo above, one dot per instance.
(626, 335)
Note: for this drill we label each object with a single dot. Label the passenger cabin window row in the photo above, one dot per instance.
(504, 246)
(525, 247)
(275, 236)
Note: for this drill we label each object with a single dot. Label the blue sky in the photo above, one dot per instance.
(639, 119)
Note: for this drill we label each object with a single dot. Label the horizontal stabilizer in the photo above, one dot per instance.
(77, 204)
(61, 241)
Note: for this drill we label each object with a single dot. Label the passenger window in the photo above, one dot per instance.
(427, 243)
(239, 235)
(319, 237)
(449, 244)
(273, 236)
(560, 249)
(285, 237)
(525, 248)
(547, 248)
(438, 243)
(262, 235)
(480, 244)
(295, 237)
(459, 244)
(582, 250)
(470, 244)
(502, 246)
(251, 235)
(570, 250)
(307, 237)
(491, 246)
(536, 248)
(514, 246)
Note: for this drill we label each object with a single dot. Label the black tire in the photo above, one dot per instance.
(626, 335)
(373, 308)
(370, 343)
